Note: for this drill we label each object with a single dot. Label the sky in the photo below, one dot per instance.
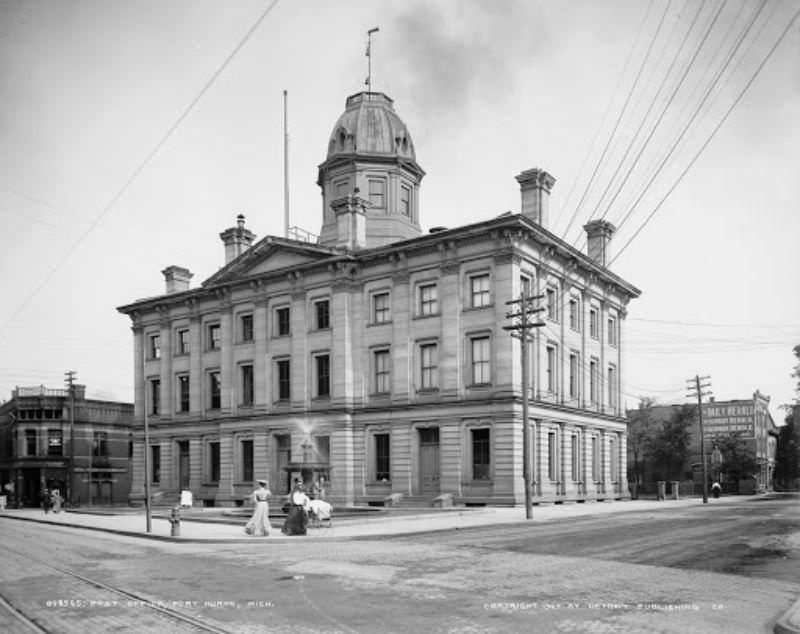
(132, 132)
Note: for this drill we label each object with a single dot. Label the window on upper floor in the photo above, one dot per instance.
(428, 299)
(246, 371)
(574, 374)
(551, 297)
(612, 387)
(282, 323)
(55, 442)
(480, 294)
(100, 444)
(551, 369)
(322, 314)
(381, 313)
(322, 366)
(594, 323)
(246, 327)
(183, 393)
(155, 396)
(154, 350)
(183, 340)
(612, 331)
(574, 314)
(30, 443)
(381, 370)
(525, 285)
(429, 366)
(377, 193)
(481, 360)
(214, 337)
(594, 379)
(214, 390)
(405, 200)
(283, 377)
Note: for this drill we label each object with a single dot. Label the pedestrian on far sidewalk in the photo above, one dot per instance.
(56, 501)
(716, 489)
(46, 502)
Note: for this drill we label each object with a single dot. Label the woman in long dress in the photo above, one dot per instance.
(259, 522)
(297, 514)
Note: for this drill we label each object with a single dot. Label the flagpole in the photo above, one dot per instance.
(369, 57)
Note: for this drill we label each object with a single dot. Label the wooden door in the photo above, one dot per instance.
(429, 461)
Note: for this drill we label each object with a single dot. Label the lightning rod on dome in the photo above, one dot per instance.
(369, 58)
(285, 166)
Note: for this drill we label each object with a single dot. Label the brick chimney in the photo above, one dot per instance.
(177, 278)
(236, 239)
(351, 221)
(535, 185)
(598, 235)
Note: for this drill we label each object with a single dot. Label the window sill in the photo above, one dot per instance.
(379, 323)
(468, 309)
(426, 316)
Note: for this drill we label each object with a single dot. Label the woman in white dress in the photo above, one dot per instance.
(259, 523)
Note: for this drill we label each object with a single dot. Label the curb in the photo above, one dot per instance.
(789, 623)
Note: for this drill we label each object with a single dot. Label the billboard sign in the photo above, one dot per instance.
(723, 419)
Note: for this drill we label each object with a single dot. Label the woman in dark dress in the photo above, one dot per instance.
(297, 514)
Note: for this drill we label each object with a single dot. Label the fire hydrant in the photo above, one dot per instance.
(175, 522)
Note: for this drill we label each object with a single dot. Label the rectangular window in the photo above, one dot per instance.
(247, 384)
(612, 387)
(428, 299)
(552, 449)
(30, 443)
(377, 193)
(183, 341)
(550, 369)
(100, 444)
(282, 326)
(552, 304)
(284, 379)
(612, 331)
(593, 380)
(594, 331)
(481, 462)
(574, 370)
(596, 466)
(382, 375)
(481, 360)
(213, 462)
(405, 201)
(576, 458)
(155, 464)
(613, 458)
(323, 367)
(380, 308)
(574, 315)
(246, 327)
(323, 314)
(155, 396)
(214, 337)
(382, 458)
(54, 442)
(214, 390)
(183, 393)
(479, 290)
(246, 447)
(429, 366)
(155, 346)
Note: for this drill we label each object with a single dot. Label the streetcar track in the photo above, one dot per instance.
(131, 596)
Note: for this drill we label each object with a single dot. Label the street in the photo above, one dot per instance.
(712, 568)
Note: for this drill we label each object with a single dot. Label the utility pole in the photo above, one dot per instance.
(69, 379)
(698, 388)
(525, 323)
(147, 508)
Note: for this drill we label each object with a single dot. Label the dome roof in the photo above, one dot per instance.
(370, 126)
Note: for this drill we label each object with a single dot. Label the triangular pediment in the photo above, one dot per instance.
(271, 254)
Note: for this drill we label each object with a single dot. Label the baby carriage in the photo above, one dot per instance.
(319, 512)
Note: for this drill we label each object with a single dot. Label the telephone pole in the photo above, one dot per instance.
(69, 379)
(524, 323)
(698, 386)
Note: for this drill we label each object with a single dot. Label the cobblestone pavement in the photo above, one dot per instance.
(320, 584)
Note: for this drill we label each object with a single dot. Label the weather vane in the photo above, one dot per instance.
(369, 58)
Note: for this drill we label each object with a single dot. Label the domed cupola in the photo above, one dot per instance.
(371, 157)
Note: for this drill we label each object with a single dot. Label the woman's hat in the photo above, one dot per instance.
(262, 482)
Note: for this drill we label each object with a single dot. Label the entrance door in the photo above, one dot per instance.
(429, 461)
(183, 464)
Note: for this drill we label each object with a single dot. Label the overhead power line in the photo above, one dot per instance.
(142, 165)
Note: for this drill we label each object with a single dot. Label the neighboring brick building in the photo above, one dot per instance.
(376, 358)
(36, 450)
(750, 418)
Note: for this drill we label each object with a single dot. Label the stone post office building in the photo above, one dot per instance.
(374, 361)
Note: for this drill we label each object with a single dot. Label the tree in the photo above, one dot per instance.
(670, 444)
(787, 453)
(738, 459)
(641, 428)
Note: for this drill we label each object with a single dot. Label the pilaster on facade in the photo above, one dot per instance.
(227, 370)
(262, 388)
(299, 367)
(450, 336)
(402, 353)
